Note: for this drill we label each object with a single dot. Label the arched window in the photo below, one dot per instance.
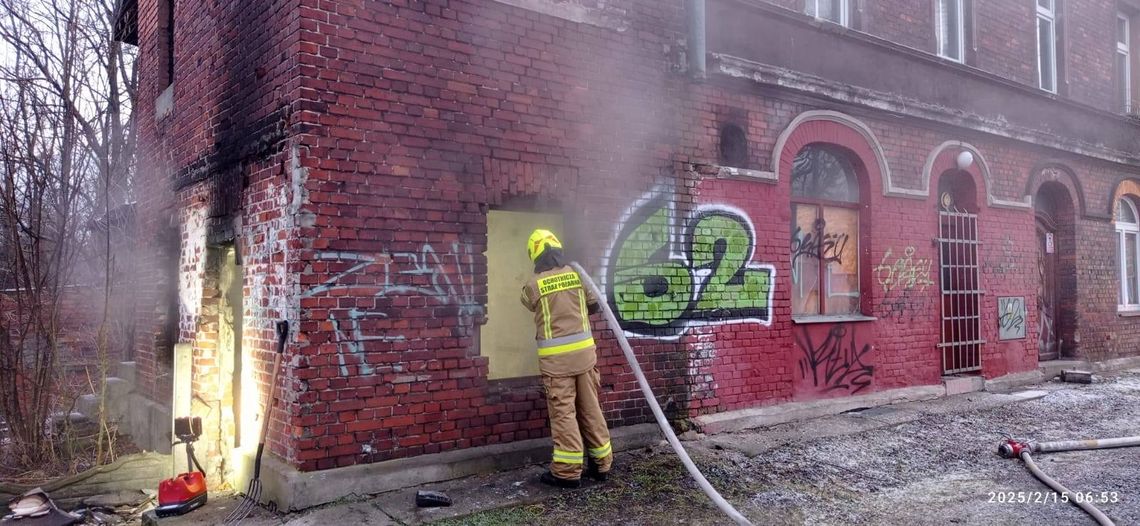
(825, 233)
(1128, 243)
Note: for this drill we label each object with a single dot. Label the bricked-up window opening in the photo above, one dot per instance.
(166, 42)
(507, 340)
(733, 146)
(1047, 45)
(825, 233)
(960, 280)
(235, 366)
(1123, 62)
(1128, 246)
(951, 29)
(838, 11)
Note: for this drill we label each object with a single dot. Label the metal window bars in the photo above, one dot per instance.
(960, 278)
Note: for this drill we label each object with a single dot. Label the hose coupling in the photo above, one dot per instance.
(1012, 448)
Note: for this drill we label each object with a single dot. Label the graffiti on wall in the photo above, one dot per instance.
(192, 268)
(827, 247)
(905, 304)
(835, 360)
(434, 278)
(266, 260)
(824, 259)
(903, 271)
(666, 275)
(1011, 318)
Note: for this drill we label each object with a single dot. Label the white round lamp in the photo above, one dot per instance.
(965, 160)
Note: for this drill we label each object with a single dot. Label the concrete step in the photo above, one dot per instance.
(963, 384)
(766, 416)
(1053, 368)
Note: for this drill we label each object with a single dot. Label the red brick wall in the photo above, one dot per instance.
(1090, 43)
(1108, 335)
(430, 115)
(503, 114)
(1006, 40)
(215, 170)
(905, 22)
(378, 134)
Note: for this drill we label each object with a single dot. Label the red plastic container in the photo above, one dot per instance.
(181, 494)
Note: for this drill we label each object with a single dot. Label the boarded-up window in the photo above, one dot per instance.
(825, 233)
(508, 337)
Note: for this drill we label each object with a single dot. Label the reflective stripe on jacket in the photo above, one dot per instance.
(562, 322)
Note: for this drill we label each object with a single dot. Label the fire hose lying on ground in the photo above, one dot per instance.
(1010, 448)
(1014, 448)
(722, 504)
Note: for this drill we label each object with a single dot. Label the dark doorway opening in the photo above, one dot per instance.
(1056, 271)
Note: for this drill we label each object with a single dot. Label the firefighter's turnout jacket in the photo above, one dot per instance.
(567, 356)
(561, 317)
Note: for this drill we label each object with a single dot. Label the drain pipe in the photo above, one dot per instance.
(697, 46)
(1096, 514)
(657, 413)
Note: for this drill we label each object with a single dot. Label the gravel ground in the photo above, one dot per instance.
(921, 463)
(943, 468)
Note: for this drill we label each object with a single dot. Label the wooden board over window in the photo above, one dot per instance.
(507, 339)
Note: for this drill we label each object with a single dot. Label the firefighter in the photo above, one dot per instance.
(567, 358)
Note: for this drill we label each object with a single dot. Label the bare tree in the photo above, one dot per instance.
(67, 147)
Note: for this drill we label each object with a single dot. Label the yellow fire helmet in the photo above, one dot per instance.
(539, 240)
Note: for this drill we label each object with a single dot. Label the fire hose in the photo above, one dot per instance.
(722, 504)
(1075, 445)
(1012, 447)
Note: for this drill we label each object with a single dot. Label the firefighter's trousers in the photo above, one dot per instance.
(572, 402)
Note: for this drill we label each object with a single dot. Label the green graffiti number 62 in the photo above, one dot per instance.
(721, 244)
(650, 288)
(657, 292)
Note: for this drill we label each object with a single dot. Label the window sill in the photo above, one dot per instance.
(729, 172)
(1127, 313)
(951, 59)
(804, 320)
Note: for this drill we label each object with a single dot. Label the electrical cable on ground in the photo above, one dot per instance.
(722, 504)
